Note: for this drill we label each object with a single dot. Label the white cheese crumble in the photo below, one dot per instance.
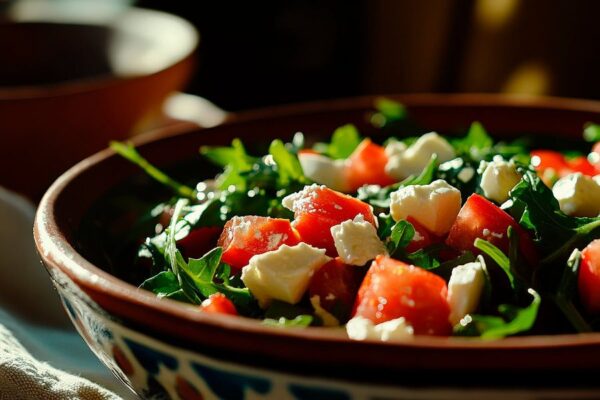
(282, 274)
(360, 328)
(306, 195)
(466, 174)
(435, 206)
(464, 290)
(356, 241)
(414, 159)
(578, 195)
(325, 171)
(498, 178)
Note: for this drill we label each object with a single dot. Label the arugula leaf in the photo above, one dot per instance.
(163, 284)
(567, 293)
(591, 132)
(301, 321)
(476, 144)
(288, 166)
(235, 161)
(128, 151)
(400, 236)
(513, 320)
(390, 109)
(499, 257)
(426, 258)
(224, 156)
(556, 233)
(344, 141)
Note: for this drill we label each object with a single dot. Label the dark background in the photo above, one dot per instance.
(261, 53)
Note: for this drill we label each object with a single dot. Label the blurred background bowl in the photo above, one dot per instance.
(74, 77)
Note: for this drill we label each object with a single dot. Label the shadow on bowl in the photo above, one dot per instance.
(73, 79)
(158, 346)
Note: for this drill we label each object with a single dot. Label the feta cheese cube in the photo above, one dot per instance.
(578, 195)
(360, 328)
(464, 290)
(414, 159)
(282, 274)
(325, 171)
(435, 206)
(307, 194)
(395, 148)
(356, 241)
(498, 178)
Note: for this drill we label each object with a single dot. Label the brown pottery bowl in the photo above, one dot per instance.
(69, 83)
(161, 346)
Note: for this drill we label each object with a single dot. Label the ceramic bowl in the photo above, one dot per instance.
(164, 347)
(72, 79)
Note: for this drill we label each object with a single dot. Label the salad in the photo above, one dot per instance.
(415, 235)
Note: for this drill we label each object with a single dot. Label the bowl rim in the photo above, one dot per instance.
(57, 252)
(96, 82)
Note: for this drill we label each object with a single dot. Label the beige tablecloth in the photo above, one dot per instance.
(41, 355)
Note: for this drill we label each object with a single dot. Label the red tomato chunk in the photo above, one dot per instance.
(318, 208)
(336, 284)
(393, 289)
(244, 237)
(219, 304)
(199, 241)
(480, 218)
(589, 277)
(366, 165)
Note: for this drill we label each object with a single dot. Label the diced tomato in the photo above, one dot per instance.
(366, 165)
(550, 163)
(480, 218)
(392, 289)
(422, 237)
(308, 151)
(318, 208)
(549, 159)
(336, 285)
(219, 304)
(596, 149)
(244, 237)
(581, 164)
(199, 241)
(589, 277)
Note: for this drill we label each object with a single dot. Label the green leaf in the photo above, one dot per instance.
(499, 257)
(301, 321)
(202, 270)
(390, 109)
(288, 166)
(513, 320)
(591, 132)
(567, 294)
(235, 161)
(476, 144)
(128, 151)
(163, 284)
(224, 156)
(401, 234)
(344, 141)
(556, 234)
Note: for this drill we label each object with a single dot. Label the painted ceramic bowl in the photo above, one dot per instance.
(164, 347)
(72, 79)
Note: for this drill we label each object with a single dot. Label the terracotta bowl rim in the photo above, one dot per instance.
(100, 81)
(56, 251)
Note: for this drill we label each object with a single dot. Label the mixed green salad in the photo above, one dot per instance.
(418, 235)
